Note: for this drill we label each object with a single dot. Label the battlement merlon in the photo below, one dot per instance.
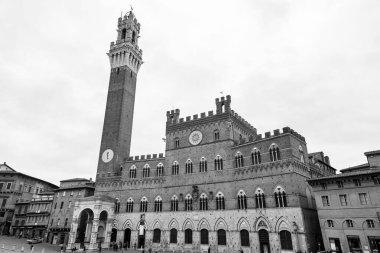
(277, 132)
(146, 157)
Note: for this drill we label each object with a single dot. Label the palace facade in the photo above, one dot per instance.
(219, 184)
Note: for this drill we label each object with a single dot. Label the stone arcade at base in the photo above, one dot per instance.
(219, 184)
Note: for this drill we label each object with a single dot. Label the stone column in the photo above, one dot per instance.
(88, 231)
(94, 234)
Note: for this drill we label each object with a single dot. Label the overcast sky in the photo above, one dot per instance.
(310, 65)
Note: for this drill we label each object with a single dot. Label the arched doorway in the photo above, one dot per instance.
(102, 227)
(113, 235)
(264, 241)
(84, 226)
(127, 238)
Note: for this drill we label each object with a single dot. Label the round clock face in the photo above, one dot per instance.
(107, 155)
(195, 137)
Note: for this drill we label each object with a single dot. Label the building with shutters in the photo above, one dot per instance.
(219, 184)
(349, 207)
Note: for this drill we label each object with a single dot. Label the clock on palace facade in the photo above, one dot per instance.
(195, 137)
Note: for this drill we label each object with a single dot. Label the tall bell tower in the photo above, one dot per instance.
(125, 59)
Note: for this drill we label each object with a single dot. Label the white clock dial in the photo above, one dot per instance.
(195, 137)
(107, 155)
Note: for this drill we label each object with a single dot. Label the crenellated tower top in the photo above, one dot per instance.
(125, 51)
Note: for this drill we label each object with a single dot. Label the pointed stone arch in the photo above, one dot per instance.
(188, 224)
(173, 224)
(127, 224)
(220, 224)
(262, 223)
(283, 224)
(204, 224)
(243, 224)
(156, 224)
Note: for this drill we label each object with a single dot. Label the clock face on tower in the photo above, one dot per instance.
(107, 155)
(195, 137)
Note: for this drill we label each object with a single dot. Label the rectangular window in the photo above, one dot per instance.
(64, 193)
(69, 204)
(30, 189)
(3, 203)
(357, 182)
(354, 243)
(72, 193)
(343, 199)
(324, 186)
(363, 198)
(335, 245)
(61, 205)
(325, 201)
(1, 186)
(340, 184)
(9, 185)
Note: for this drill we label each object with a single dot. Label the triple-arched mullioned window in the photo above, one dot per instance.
(260, 198)
(280, 197)
(203, 202)
(242, 200)
(274, 153)
(239, 160)
(220, 204)
(175, 168)
(188, 167)
(188, 203)
(203, 165)
(129, 208)
(218, 162)
(143, 205)
(146, 171)
(158, 204)
(174, 204)
(255, 156)
(160, 170)
(132, 172)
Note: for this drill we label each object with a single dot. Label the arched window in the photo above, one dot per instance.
(242, 200)
(370, 223)
(220, 201)
(203, 165)
(129, 205)
(204, 236)
(244, 238)
(158, 204)
(239, 160)
(280, 197)
(188, 203)
(123, 33)
(260, 198)
(286, 240)
(176, 142)
(218, 163)
(117, 205)
(173, 235)
(349, 223)
(203, 203)
(146, 171)
(216, 135)
(160, 170)
(188, 167)
(302, 156)
(174, 204)
(255, 156)
(156, 235)
(132, 172)
(175, 168)
(133, 37)
(274, 153)
(222, 237)
(188, 236)
(143, 205)
(330, 223)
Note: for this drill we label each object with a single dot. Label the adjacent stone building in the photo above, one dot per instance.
(220, 183)
(349, 207)
(16, 187)
(38, 215)
(69, 191)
